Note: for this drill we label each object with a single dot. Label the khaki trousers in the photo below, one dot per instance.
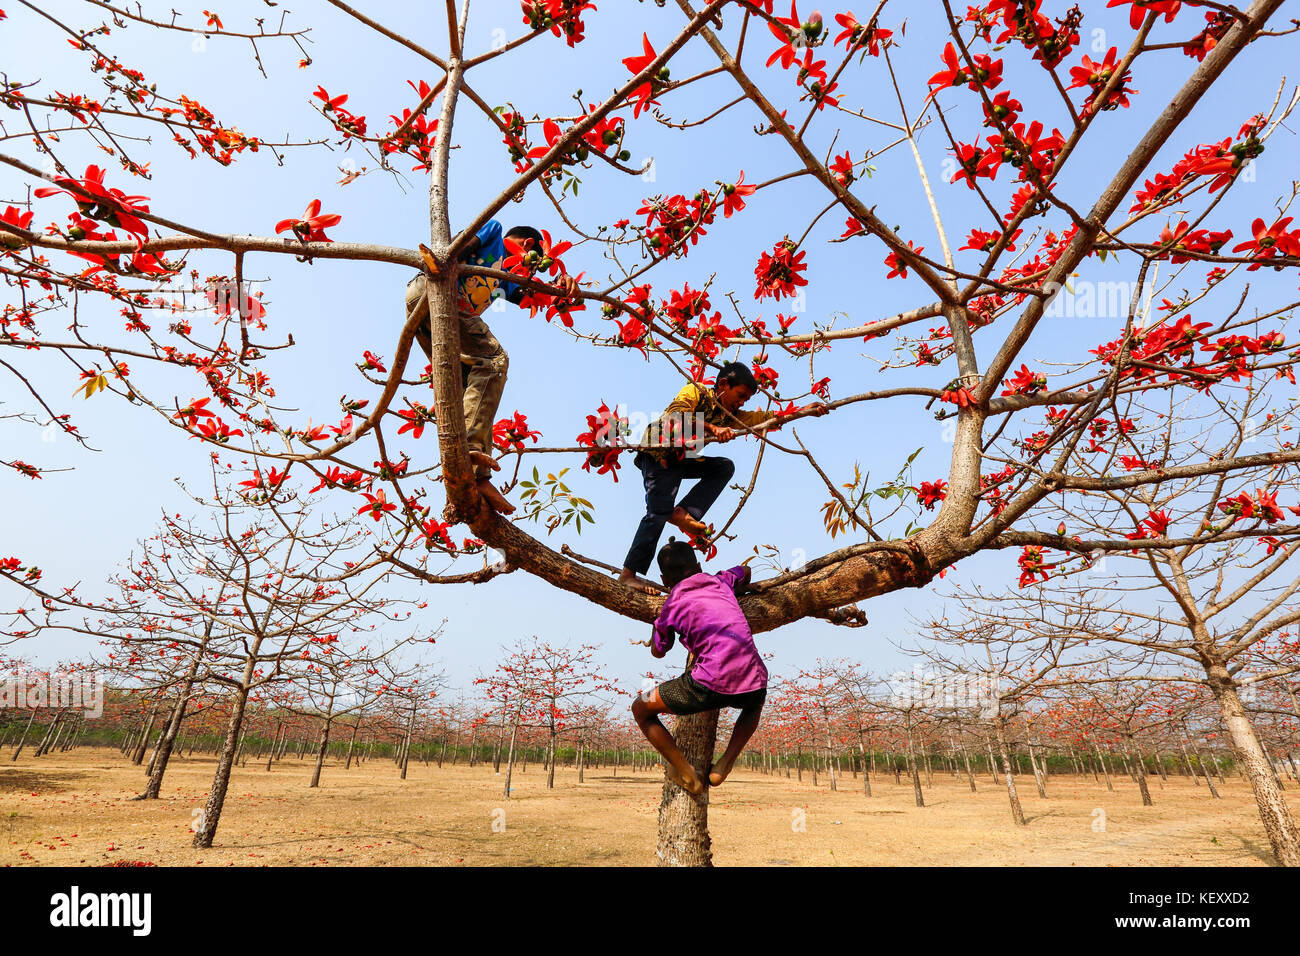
(483, 364)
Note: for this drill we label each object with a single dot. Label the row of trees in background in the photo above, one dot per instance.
(829, 725)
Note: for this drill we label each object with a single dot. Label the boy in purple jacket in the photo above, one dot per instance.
(723, 668)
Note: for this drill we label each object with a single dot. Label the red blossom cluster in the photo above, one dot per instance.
(601, 437)
(1223, 161)
(344, 121)
(1024, 21)
(673, 221)
(417, 139)
(561, 17)
(513, 432)
(1096, 76)
(221, 143)
(779, 272)
(1031, 564)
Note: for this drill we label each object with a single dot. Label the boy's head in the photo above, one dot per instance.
(735, 385)
(521, 235)
(677, 562)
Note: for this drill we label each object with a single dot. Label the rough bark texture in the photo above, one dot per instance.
(1273, 811)
(683, 819)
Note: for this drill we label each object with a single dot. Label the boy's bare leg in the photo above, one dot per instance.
(746, 724)
(482, 459)
(687, 521)
(495, 499)
(646, 710)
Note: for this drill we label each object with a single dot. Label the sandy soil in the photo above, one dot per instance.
(76, 809)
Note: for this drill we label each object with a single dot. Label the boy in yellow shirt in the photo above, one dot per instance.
(697, 412)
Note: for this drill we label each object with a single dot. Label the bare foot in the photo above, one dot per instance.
(690, 784)
(717, 774)
(628, 577)
(687, 522)
(495, 500)
(484, 460)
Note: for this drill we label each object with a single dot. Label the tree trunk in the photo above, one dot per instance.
(207, 822)
(1017, 813)
(912, 769)
(320, 754)
(138, 757)
(683, 819)
(163, 755)
(510, 760)
(1273, 811)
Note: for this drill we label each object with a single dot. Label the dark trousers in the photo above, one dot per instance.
(661, 485)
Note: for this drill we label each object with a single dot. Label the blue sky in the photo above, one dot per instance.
(77, 525)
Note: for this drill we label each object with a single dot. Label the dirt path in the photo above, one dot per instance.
(76, 809)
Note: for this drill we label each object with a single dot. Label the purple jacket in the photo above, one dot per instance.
(704, 612)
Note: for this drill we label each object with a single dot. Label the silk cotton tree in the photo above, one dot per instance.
(253, 593)
(1021, 105)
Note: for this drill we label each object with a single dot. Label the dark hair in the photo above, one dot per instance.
(525, 232)
(677, 562)
(737, 373)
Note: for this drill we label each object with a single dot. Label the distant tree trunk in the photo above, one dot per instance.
(352, 743)
(510, 760)
(165, 744)
(275, 744)
(911, 765)
(866, 779)
(138, 757)
(550, 751)
(1101, 759)
(683, 819)
(1040, 776)
(1017, 813)
(320, 751)
(410, 732)
(1141, 772)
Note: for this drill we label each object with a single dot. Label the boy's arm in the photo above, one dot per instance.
(758, 419)
(661, 640)
(736, 578)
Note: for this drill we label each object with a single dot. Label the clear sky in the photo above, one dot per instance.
(77, 525)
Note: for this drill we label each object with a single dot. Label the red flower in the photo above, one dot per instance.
(1269, 241)
(988, 72)
(1032, 566)
(734, 196)
(1142, 7)
(897, 267)
(513, 431)
(1097, 76)
(644, 94)
(1025, 382)
(842, 169)
(416, 417)
(310, 228)
(931, 493)
(377, 505)
(779, 272)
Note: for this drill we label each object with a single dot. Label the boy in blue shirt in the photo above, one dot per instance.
(483, 361)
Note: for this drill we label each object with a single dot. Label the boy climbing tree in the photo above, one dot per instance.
(723, 668)
(696, 413)
(483, 360)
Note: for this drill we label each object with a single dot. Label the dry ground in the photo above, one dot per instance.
(75, 809)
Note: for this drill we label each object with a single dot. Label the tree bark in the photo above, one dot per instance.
(683, 819)
(1273, 811)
